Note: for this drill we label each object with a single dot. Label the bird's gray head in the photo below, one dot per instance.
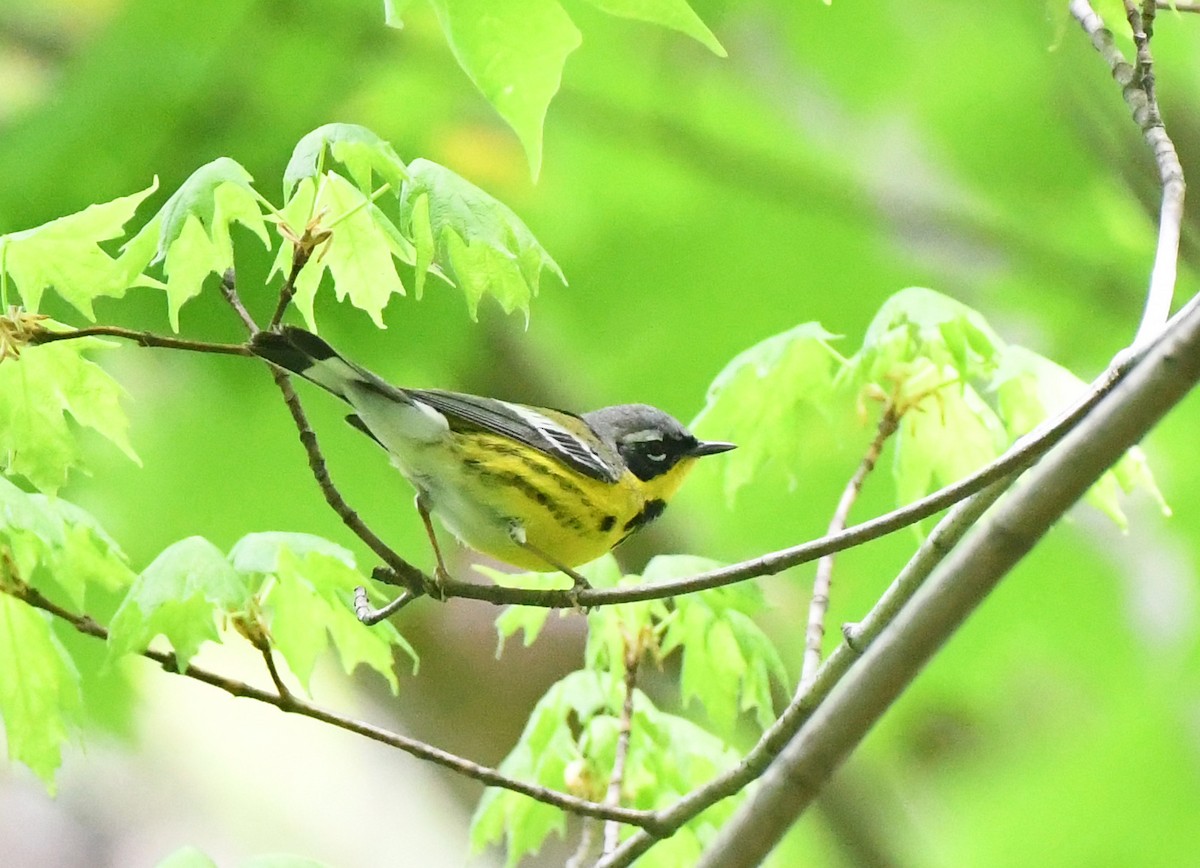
(649, 441)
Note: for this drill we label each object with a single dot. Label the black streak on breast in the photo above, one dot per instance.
(650, 511)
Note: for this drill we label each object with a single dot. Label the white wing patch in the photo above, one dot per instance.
(559, 440)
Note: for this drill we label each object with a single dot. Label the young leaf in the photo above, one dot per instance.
(64, 255)
(542, 755)
(947, 436)
(728, 662)
(307, 607)
(264, 552)
(601, 573)
(920, 324)
(360, 253)
(193, 228)
(514, 52)
(1030, 388)
(180, 595)
(356, 148)
(475, 239)
(39, 689)
(764, 397)
(675, 14)
(42, 386)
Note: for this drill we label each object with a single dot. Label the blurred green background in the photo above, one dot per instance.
(697, 205)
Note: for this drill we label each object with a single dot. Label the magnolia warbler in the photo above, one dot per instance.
(534, 487)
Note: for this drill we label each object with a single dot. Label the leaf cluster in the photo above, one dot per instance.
(963, 395)
(724, 661)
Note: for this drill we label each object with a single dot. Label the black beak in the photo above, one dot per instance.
(710, 447)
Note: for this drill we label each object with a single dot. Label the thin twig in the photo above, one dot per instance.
(289, 702)
(1137, 88)
(276, 678)
(819, 604)
(301, 253)
(409, 575)
(612, 828)
(142, 338)
(1178, 5)
(229, 291)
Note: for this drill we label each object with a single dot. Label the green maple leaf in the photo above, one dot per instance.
(514, 53)
(361, 152)
(65, 255)
(40, 388)
(180, 596)
(39, 689)
(360, 255)
(475, 239)
(190, 233)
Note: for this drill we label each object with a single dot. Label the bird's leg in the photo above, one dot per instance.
(441, 574)
(517, 533)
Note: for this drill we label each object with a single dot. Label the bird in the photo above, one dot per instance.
(538, 488)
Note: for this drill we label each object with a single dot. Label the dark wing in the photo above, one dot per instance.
(536, 428)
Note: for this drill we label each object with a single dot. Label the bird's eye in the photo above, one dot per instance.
(659, 456)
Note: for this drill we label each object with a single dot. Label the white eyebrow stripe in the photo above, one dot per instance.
(647, 435)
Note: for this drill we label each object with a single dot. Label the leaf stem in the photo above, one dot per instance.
(142, 338)
(612, 828)
(819, 604)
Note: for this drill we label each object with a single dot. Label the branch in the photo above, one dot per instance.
(408, 575)
(819, 604)
(145, 339)
(287, 701)
(612, 829)
(1137, 87)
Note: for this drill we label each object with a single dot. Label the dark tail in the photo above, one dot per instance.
(293, 349)
(305, 354)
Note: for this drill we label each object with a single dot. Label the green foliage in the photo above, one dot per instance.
(1030, 388)
(478, 241)
(39, 689)
(66, 255)
(963, 395)
(43, 386)
(432, 219)
(570, 743)
(360, 152)
(54, 546)
(193, 228)
(292, 588)
(360, 253)
(601, 573)
(728, 662)
(675, 14)
(766, 397)
(515, 52)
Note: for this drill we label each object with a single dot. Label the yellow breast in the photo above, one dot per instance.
(495, 485)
